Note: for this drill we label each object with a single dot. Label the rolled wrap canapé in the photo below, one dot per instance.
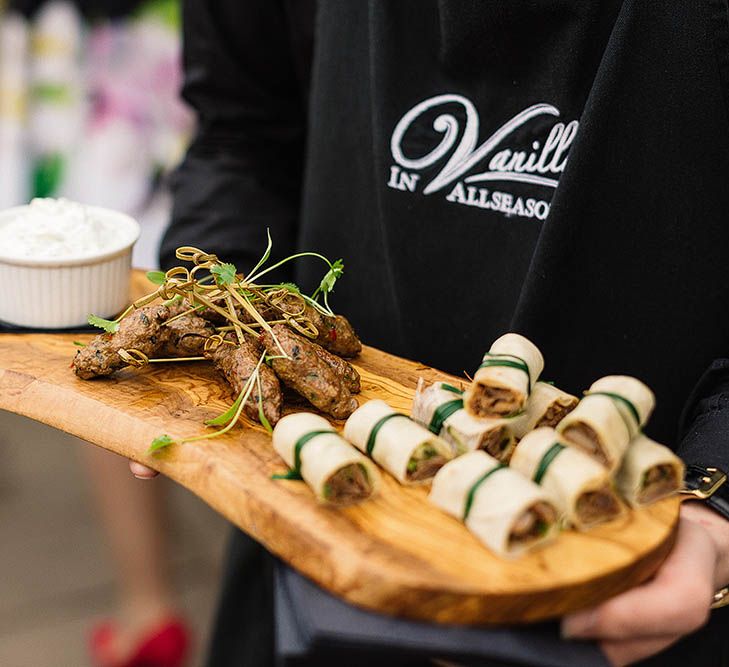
(504, 380)
(547, 406)
(633, 399)
(408, 451)
(608, 417)
(649, 471)
(596, 427)
(439, 408)
(580, 487)
(503, 509)
(336, 472)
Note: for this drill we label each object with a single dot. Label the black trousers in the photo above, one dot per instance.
(243, 635)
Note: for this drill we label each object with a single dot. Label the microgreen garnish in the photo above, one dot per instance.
(110, 326)
(264, 258)
(156, 277)
(261, 415)
(228, 419)
(79, 343)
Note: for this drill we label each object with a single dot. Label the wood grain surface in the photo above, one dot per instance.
(395, 554)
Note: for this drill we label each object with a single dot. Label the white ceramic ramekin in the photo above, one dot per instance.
(62, 293)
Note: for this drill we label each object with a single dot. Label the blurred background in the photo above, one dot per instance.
(89, 110)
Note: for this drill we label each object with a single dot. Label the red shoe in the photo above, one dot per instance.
(165, 646)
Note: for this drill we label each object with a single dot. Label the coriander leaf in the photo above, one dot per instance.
(107, 325)
(328, 281)
(156, 277)
(224, 273)
(290, 287)
(159, 443)
(79, 344)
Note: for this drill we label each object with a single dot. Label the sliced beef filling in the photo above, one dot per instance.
(556, 412)
(138, 331)
(237, 363)
(658, 482)
(532, 525)
(487, 401)
(348, 485)
(499, 443)
(586, 439)
(597, 506)
(424, 463)
(305, 372)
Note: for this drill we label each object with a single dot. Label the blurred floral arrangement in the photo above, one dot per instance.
(90, 111)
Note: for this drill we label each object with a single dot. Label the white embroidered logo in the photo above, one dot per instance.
(539, 167)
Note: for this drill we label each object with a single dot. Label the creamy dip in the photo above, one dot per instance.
(56, 229)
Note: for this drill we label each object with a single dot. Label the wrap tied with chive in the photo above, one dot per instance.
(611, 414)
(316, 453)
(503, 509)
(503, 382)
(439, 408)
(580, 487)
(547, 406)
(407, 450)
(649, 471)
(633, 399)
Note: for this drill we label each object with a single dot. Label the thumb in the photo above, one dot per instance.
(141, 471)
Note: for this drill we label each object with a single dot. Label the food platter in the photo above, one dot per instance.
(395, 554)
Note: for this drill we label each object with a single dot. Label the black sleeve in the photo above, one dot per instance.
(246, 76)
(704, 430)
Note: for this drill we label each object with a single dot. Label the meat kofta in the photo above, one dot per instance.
(141, 330)
(237, 363)
(304, 371)
(184, 336)
(334, 333)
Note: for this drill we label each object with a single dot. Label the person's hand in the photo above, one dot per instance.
(645, 620)
(141, 471)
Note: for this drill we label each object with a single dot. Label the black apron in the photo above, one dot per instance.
(555, 167)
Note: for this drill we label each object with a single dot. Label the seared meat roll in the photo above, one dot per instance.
(138, 331)
(184, 336)
(237, 363)
(304, 371)
(333, 333)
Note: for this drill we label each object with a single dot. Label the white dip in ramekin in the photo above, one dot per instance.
(61, 261)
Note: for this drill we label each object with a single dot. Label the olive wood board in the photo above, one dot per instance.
(395, 554)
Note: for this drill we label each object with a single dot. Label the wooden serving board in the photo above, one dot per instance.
(395, 554)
